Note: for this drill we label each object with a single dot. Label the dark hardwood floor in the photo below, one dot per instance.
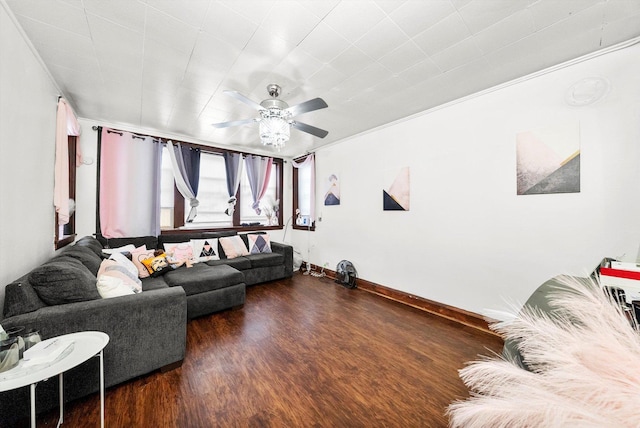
(303, 352)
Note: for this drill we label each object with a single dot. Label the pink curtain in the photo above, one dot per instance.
(258, 172)
(66, 124)
(129, 185)
(309, 162)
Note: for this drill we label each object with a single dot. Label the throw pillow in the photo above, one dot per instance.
(178, 252)
(137, 256)
(205, 249)
(63, 281)
(124, 249)
(128, 268)
(259, 243)
(117, 279)
(233, 247)
(157, 265)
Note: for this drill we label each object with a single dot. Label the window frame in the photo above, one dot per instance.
(294, 205)
(179, 202)
(64, 240)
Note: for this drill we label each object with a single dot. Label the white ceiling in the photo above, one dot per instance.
(163, 64)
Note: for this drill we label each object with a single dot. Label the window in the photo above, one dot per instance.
(65, 234)
(213, 197)
(304, 193)
(269, 205)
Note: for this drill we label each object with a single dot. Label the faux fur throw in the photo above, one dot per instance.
(584, 361)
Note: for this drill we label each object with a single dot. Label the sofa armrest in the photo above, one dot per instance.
(287, 252)
(146, 331)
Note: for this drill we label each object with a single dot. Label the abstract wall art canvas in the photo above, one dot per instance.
(332, 195)
(396, 197)
(548, 160)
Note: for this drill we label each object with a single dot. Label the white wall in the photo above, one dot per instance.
(27, 146)
(468, 240)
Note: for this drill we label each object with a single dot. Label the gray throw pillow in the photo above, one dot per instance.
(63, 281)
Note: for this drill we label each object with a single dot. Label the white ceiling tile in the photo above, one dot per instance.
(226, 24)
(480, 14)
(507, 31)
(320, 8)
(126, 13)
(214, 53)
(460, 3)
(114, 43)
(383, 38)
(254, 10)
(620, 9)
(351, 61)
(300, 64)
(517, 59)
(324, 43)
(296, 21)
(367, 78)
(413, 17)
(272, 48)
(623, 30)
(440, 36)
(326, 78)
(189, 100)
(549, 12)
(403, 57)
(72, 60)
(353, 19)
(44, 37)
(389, 5)
(420, 72)
(192, 15)
(459, 54)
(165, 28)
(54, 13)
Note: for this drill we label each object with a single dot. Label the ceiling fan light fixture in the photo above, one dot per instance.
(274, 131)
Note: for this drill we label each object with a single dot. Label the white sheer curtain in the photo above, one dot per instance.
(259, 173)
(233, 166)
(309, 166)
(66, 124)
(129, 185)
(182, 179)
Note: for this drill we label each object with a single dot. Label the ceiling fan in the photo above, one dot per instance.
(276, 117)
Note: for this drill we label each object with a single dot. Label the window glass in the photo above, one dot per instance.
(166, 191)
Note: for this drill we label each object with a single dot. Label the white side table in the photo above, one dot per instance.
(83, 346)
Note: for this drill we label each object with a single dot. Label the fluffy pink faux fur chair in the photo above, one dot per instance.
(584, 363)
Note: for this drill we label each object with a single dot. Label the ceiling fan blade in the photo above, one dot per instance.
(311, 105)
(238, 96)
(310, 129)
(233, 123)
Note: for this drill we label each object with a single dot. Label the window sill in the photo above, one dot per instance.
(64, 241)
(219, 229)
(307, 228)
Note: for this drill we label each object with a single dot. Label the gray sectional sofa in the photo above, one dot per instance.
(147, 331)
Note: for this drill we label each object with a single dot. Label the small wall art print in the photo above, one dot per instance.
(332, 195)
(548, 160)
(396, 197)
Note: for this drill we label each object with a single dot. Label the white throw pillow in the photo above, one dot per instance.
(205, 249)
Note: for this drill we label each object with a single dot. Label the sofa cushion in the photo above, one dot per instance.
(154, 283)
(85, 255)
(63, 281)
(202, 278)
(21, 298)
(266, 259)
(240, 263)
(92, 243)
